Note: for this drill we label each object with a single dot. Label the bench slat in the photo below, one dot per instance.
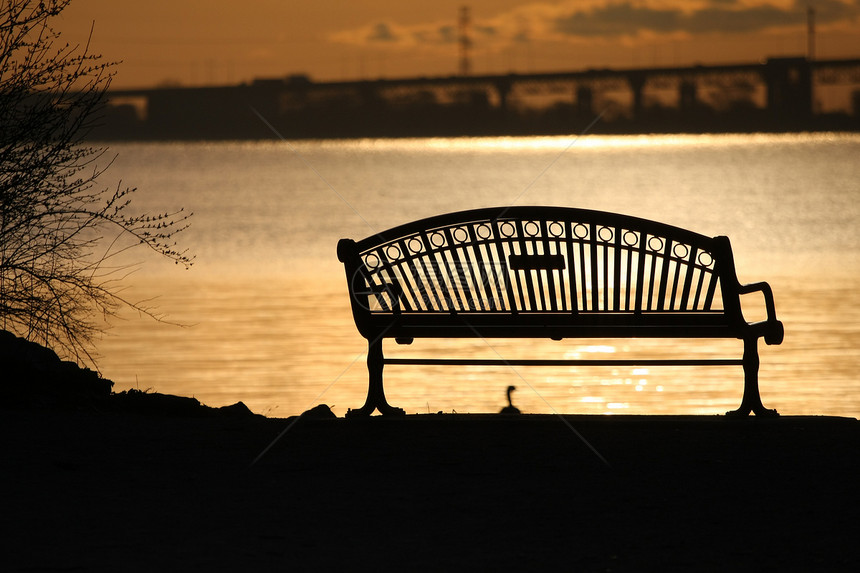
(449, 255)
(574, 303)
(501, 260)
(616, 269)
(712, 289)
(688, 278)
(583, 269)
(584, 362)
(548, 293)
(483, 288)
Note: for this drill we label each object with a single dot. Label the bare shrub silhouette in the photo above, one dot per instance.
(60, 233)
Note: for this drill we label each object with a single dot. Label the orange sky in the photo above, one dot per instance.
(196, 42)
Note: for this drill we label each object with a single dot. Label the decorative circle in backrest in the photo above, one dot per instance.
(415, 245)
(437, 239)
(484, 231)
(655, 244)
(393, 252)
(556, 229)
(507, 229)
(605, 234)
(532, 229)
(705, 259)
(580, 230)
(461, 235)
(680, 250)
(371, 261)
(630, 238)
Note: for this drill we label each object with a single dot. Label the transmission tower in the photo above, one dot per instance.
(465, 43)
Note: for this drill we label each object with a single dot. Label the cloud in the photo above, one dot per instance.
(389, 34)
(588, 20)
(631, 18)
(618, 19)
(381, 32)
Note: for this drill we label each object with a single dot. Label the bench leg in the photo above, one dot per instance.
(751, 402)
(375, 392)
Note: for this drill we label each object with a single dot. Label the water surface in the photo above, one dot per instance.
(265, 311)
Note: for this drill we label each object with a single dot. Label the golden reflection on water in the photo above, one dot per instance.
(284, 345)
(562, 142)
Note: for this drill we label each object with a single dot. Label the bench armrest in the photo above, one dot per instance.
(776, 331)
(765, 289)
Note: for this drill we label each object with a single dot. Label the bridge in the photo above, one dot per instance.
(784, 86)
(789, 82)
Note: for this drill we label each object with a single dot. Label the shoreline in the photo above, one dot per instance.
(821, 129)
(175, 491)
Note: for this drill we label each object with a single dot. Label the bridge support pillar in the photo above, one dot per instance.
(584, 101)
(503, 88)
(688, 96)
(636, 81)
(789, 88)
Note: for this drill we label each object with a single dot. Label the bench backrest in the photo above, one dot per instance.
(539, 259)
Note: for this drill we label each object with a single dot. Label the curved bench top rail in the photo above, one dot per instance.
(539, 259)
(540, 212)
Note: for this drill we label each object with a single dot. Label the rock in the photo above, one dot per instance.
(320, 412)
(239, 409)
(153, 403)
(35, 375)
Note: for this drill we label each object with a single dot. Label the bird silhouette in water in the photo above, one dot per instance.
(510, 408)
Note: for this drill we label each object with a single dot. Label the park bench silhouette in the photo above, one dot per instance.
(549, 272)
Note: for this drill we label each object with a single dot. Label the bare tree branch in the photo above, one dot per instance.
(55, 279)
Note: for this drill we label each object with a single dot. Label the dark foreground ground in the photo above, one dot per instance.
(120, 491)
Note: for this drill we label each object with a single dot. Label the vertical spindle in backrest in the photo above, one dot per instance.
(526, 274)
(376, 280)
(557, 294)
(404, 265)
(703, 273)
(652, 278)
(485, 287)
(543, 231)
(427, 276)
(503, 262)
(567, 233)
(474, 281)
(459, 283)
(713, 279)
(583, 266)
(688, 279)
(442, 258)
(540, 274)
(518, 277)
(640, 270)
(605, 267)
(699, 284)
(489, 264)
(401, 276)
(664, 275)
(720, 251)
(616, 269)
(594, 275)
(482, 283)
(628, 285)
(676, 278)
(418, 270)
